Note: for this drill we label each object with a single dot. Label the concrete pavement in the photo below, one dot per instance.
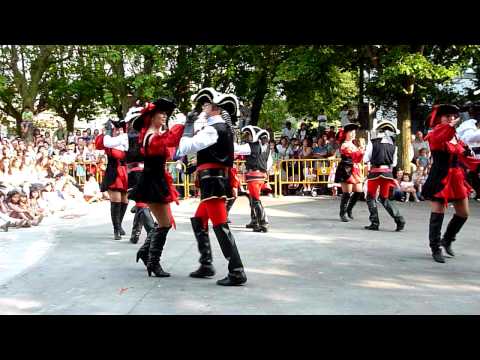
(309, 263)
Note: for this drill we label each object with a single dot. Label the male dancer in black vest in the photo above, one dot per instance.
(214, 147)
(257, 163)
(381, 153)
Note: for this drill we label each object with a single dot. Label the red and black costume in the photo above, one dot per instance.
(381, 153)
(446, 181)
(215, 148)
(348, 171)
(135, 165)
(155, 184)
(115, 178)
(257, 163)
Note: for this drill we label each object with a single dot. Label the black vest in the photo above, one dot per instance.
(257, 160)
(382, 153)
(222, 151)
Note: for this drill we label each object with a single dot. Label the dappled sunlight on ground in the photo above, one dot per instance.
(271, 271)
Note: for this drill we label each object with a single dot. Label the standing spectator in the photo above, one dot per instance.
(331, 132)
(27, 124)
(288, 131)
(422, 159)
(96, 132)
(302, 132)
(419, 143)
(322, 120)
(70, 138)
(344, 116)
(284, 149)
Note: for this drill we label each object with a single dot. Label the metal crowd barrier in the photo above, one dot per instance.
(285, 172)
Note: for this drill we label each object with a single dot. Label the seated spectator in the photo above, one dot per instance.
(18, 211)
(418, 178)
(397, 192)
(5, 220)
(91, 190)
(408, 188)
(35, 204)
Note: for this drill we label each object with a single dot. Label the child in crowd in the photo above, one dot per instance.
(407, 186)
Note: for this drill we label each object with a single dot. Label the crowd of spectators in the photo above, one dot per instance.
(48, 174)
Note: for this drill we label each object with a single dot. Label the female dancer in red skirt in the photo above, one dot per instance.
(155, 186)
(115, 144)
(446, 181)
(348, 171)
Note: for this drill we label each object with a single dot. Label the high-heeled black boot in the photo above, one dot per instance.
(159, 237)
(206, 268)
(123, 209)
(351, 203)
(253, 217)
(393, 211)
(343, 206)
(372, 208)
(453, 228)
(262, 224)
(434, 231)
(115, 214)
(236, 274)
(136, 227)
(142, 253)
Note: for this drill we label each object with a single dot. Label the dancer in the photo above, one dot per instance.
(214, 147)
(446, 181)
(115, 143)
(469, 133)
(135, 165)
(348, 171)
(258, 163)
(381, 153)
(155, 185)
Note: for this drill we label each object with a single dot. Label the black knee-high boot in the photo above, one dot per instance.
(453, 228)
(149, 226)
(393, 211)
(435, 229)
(253, 217)
(343, 206)
(115, 214)
(262, 225)
(159, 237)
(372, 208)
(123, 209)
(136, 227)
(351, 203)
(206, 268)
(236, 274)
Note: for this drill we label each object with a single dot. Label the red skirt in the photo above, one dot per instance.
(455, 186)
(121, 181)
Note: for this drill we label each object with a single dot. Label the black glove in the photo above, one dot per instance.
(467, 151)
(188, 131)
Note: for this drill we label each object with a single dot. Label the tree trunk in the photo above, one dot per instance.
(70, 120)
(18, 120)
(404, 123)
(258, 99)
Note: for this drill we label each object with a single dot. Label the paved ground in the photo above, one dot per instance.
(310, 263)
